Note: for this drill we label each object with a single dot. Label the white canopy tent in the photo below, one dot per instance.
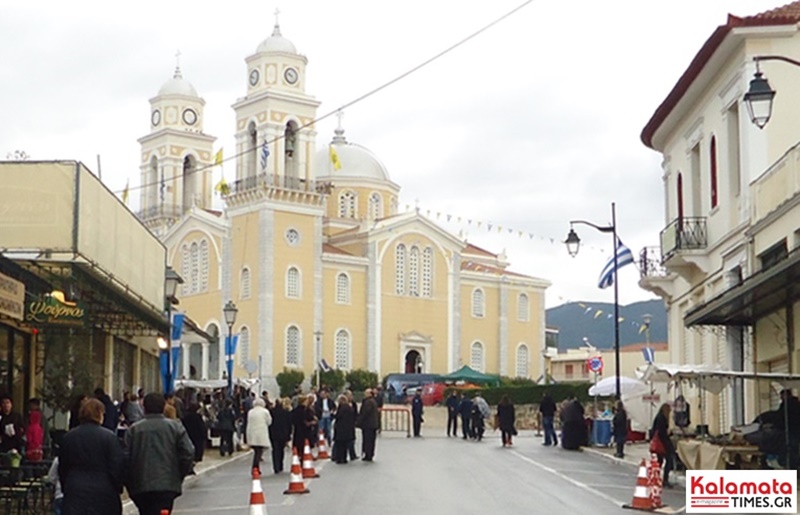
(212, 384)
(608, 386)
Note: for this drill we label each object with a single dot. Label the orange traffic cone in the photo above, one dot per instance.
(322, 454)
(308, 463)
(257, 496)
(641, 494)
(296, 485)
(655, 482)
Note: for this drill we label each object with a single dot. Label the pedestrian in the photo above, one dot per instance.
(91, 465)
(452, 413)
(620, 429)
(368, 422)
(477, 423)
(12, 431)
(379, 402)
(226, 423)
(573, 432)
(247, 405)
(344, 430)
(258, 421)
(324, 409)
(111, 417)
(351, 449)
(280, 432)
(74, 410)
(34, 437)
(416, 412)
(196, 429)
(465, 410)
(303, 420)
(132, 410)
(547, 408)
(506, 418)
(159, 456)
(58, 494)
(662, 446)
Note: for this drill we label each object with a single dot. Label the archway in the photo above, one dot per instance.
(413, 362)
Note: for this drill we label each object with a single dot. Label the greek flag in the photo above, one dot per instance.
(624, 257)
(649, 355)
(264, 156)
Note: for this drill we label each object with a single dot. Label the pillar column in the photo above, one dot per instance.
(204, 365)
(186, 349)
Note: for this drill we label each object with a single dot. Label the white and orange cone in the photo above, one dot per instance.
(258, 503)
(322, 445)
(296, 485)
(655, 482)
(641, 493)
(308, 463)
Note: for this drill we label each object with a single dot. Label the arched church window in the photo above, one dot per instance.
(186, 267)
(204, 265)
(413, 272)
(189, 181)
(151, 186)
(522, 361)
(476, 356)
(522, 307)
(194, 272)
(342, 288)
(347, 204)
(375, 206)
(478, 303)
(427, 272)
(400, 269)
(244, 345)
(290, 148)
(252, 151)
(244, 284)
(293, 346)
(293, 283)
(341, 351)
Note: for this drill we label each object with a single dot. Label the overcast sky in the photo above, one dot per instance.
(534, 122)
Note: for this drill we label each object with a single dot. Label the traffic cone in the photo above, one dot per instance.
(296, 485)
(164, 512)
(322, 454)
(257, 496)
(641, 494)
(308, 463)
(655, 482)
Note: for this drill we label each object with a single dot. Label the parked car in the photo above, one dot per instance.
(400, 386)
(433, 394)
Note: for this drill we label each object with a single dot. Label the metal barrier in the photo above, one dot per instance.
(396, 419)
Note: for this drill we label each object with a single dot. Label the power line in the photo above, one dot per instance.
(359, 98)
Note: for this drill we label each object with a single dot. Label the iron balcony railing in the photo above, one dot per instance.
(272, 180)
(161, 211)
(650, 263)
(684, 233)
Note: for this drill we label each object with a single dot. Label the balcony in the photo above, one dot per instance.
(679, 241)
(278, 187)
(653, 275)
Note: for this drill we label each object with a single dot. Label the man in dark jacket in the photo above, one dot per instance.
(465, 409)
(416, 412)
(547, 408)
(11, 429)
(159, 455)
(368, 421)
(112, 416)
(452, 413)
(280, 432)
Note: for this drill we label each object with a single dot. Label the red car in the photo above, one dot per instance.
(433, 394)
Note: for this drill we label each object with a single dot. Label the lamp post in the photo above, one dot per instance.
(171, 281)
(648, 318)
(573, 243)
(760, 96)
(230, 310)
(318, 353)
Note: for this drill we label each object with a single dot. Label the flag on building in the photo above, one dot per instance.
(323, 365)
(334, 158)
(222, 187)
(649, 355)
(624, 257)
(218, 157)
(264, 156)
(125, 192)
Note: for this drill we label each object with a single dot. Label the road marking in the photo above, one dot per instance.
(570, 480)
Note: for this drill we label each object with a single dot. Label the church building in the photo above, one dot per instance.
(313, 250)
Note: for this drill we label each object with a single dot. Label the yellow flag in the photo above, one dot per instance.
(125, 192)
(222, 187)
(642, 328)
(599, 312)
(218, 157)
(334, 158)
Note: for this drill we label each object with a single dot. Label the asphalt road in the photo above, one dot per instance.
(435, 475)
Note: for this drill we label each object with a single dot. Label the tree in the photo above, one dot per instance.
(333, 379)
(288, 380)
(361, 379)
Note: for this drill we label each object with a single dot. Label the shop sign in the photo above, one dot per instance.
(12, 297)
(53, 309)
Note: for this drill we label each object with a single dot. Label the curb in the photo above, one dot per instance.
(128, 508)
(678, 479)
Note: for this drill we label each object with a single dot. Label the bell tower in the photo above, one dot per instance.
(177, 156)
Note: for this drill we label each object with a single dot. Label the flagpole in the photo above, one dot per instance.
(616, 296)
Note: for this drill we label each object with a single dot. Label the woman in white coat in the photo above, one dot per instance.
(258, 422)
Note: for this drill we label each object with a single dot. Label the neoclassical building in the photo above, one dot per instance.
(313, 250)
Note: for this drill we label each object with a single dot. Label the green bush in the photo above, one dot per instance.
(333, 379)
(288, 380)
(531, 394)
(361, 379)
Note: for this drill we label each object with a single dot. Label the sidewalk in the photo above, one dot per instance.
(635, 452)
(211, 461)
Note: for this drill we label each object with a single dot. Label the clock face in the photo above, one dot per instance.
(253, 77)
(155, 118)
(189, 116)
(290, 74)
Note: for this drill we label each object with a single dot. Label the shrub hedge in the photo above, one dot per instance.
(530, 394)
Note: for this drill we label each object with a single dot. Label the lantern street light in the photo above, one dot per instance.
(573, 243)
(230, 310)
(760, 96)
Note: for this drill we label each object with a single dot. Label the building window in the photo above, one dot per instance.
(413, 272)
(476, 356)
(713, 157)
(194, 271)
(186, 267)
(293, 346)
(773, 255)
(347, 204)
(342, 288)
(393, 206)
(293, 283)
(244, 346)
(734, 175)
(522, 307)
(204, 265)
(522, 361)
(400, 269)
(427, 272)
(478, 303)
(569, 371)
(375, 206)
(244, 284)
(341, 352)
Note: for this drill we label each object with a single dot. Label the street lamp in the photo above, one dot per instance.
(318, 353)
(230, 312)
(760, 96)
(573, 243)
(163, 348)
(648, 318)
(171, 281)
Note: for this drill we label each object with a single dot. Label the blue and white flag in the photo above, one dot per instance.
(264, 156)
(649, 355)
(323, 365)
(624, 257)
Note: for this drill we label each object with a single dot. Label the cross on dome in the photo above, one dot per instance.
(339, 131)
(178, 65)
(277, 30)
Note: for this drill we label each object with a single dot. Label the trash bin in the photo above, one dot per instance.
(601, 432)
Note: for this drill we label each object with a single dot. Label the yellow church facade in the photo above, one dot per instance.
(313, 250)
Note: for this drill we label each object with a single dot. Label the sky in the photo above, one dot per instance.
(531, 124)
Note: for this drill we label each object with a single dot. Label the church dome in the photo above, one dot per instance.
(276, 43)
(177, 85)
(356, 162)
